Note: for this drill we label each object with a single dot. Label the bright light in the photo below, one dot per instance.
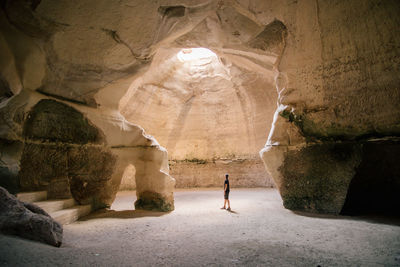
(196, 54)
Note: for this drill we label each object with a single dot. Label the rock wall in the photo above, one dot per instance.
(201, 173)
(338, 89)
(75, 156)
(215, 106)
(63, 153)
(215, 112)
(317, 79)
(54, 135)
(82, 155)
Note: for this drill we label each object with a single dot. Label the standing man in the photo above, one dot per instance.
(226, 192)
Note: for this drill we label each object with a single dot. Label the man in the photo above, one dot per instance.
(226, 192)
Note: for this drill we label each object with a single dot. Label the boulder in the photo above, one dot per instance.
(27, 220)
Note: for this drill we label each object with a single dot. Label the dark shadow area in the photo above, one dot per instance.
(272, 38)
(375, 189)
(378, 219)
(232, 211)
(122, 214)
(5, 91)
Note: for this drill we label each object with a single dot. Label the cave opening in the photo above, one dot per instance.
(211, 109)
(196, 56)
(375, 186)
(128, 181)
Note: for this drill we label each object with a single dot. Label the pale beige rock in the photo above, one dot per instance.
(293, 74)
(330, 91)
(133, 147)
(242, 173)
(181, 103)
(128, 181)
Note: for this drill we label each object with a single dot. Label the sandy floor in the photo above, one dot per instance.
(259, 231)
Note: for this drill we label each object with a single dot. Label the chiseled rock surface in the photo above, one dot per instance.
(333, 96)
(71, 150)
(202, 109)
(65, 155)
(89, 171)
(53, 121)
(154, 184)
(316, 178)
(332, 65)
(28, 221)
(211, 173)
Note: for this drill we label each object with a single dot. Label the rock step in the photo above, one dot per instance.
(72, 214)
(32, 196)
(55, 205)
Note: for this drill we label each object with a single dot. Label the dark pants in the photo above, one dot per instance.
(226, 195)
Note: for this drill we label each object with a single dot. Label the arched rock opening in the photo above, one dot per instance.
(128, 181)
(212, 113)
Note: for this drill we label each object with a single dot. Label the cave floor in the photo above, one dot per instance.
(258, 231)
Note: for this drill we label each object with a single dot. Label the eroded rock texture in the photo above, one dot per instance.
(317, 80)
(28, 221)
(213, 107)
(61, 146)
(201, 173)
(53, 121)
(339, 89)
(316, 177)
(64, 155)
(90, 170)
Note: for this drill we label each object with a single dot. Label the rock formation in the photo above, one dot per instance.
(207, 173)
(27, 220)
(315, 82)
(338, 95)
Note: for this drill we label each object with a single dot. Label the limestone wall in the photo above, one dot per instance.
(316, 80)
(75, 157)
(220, 112)
(242, 173)
(339, 91)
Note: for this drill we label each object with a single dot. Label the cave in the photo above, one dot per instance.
(373, 190)
(209, 116)
(135, 110)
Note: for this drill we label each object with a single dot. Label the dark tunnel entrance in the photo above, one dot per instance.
(375, 188)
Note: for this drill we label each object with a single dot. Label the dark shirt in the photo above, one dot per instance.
(227, 185)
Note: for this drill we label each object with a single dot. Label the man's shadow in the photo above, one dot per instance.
(122, 214)
(231, 211)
